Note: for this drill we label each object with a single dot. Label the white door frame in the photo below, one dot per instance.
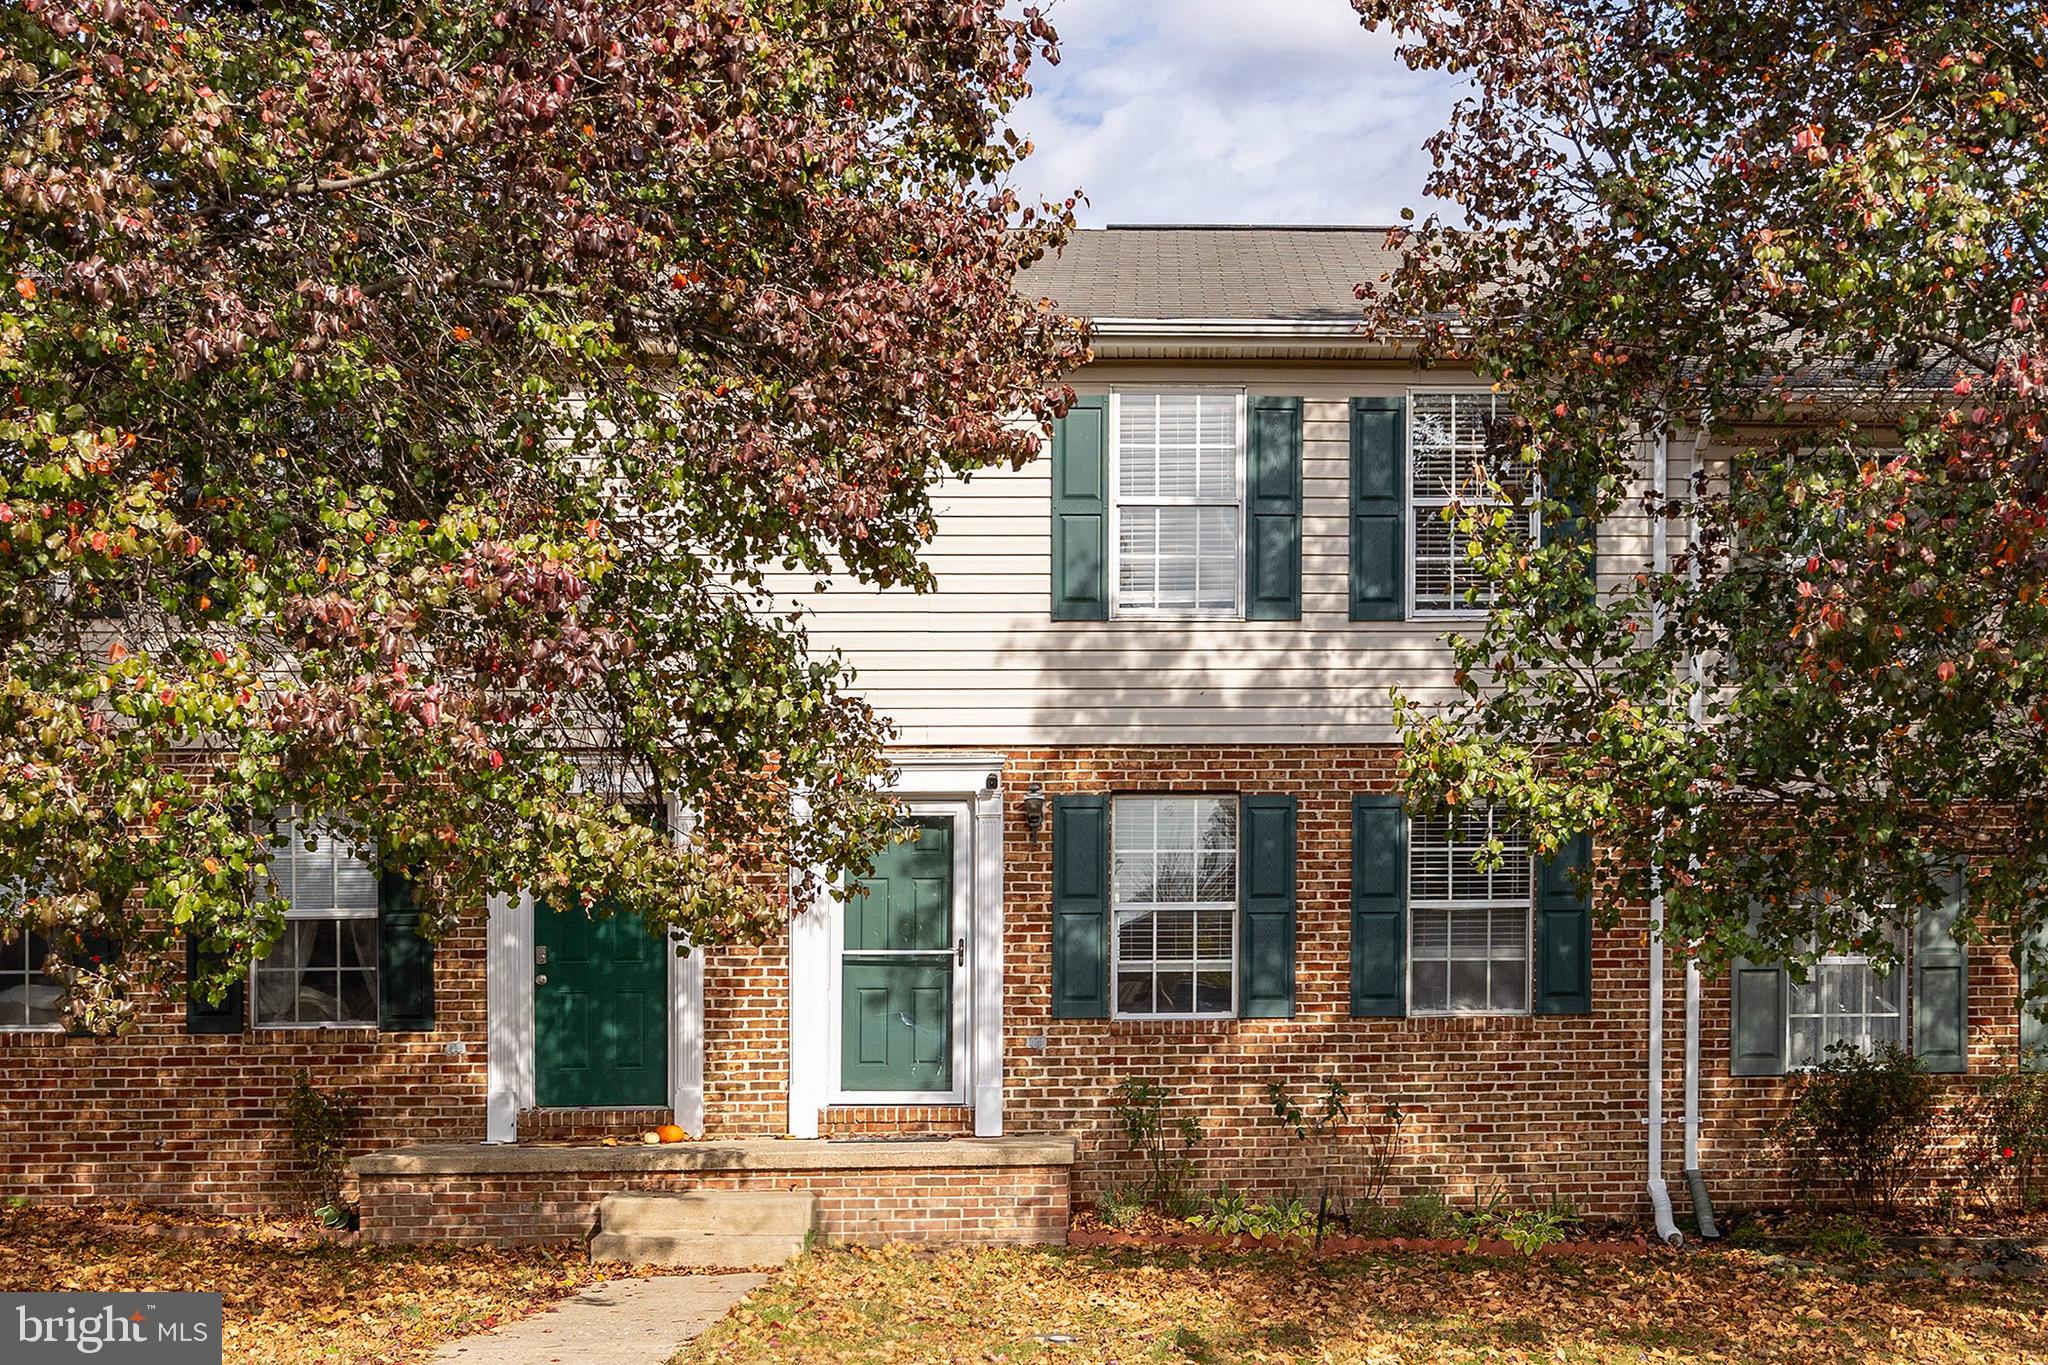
(960, 914)
(508, 1001)
(921, 780)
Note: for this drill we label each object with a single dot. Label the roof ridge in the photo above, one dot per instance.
(1242, 227)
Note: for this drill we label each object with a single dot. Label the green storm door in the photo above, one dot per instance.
(897, 969)
(600, 1010)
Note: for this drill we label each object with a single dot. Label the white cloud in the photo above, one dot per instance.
(1228, 111)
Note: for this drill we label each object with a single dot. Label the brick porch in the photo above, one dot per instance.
(959, 1191)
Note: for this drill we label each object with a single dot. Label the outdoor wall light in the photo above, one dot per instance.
(1034, 808)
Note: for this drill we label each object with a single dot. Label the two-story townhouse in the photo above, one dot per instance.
(1145, 734)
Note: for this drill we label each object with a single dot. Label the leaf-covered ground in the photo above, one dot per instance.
(286, 1302)
(1129, 1307)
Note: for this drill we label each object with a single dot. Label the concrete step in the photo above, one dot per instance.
(732, 1213)
(705, 1250)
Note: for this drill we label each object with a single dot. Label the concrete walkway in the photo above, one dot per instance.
(632, 1321)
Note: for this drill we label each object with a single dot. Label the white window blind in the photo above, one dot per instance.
(1448, 463)
(1179, 503)
(1173, 882)
(1468, 949)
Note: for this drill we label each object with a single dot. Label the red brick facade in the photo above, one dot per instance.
(1534, 1107)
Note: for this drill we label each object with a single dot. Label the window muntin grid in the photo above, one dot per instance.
(323, 969)
(1845, 1000)
(1179, 464)
(1173, 894)
(1468, 934)
(29, 999)
(1446, 454)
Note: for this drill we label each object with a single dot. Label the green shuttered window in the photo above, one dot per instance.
(1433, 933)
(1173, 906)
(1778, 1024)
(1178, 504)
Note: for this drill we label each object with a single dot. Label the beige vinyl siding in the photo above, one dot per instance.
(980, 662)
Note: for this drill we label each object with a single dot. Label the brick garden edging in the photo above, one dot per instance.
(957, 1192)
(1351, 1246)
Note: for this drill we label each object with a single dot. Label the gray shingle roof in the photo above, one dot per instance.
(1304, 274)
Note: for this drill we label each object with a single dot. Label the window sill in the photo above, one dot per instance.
(275, 1029)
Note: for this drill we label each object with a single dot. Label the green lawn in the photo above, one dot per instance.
(1055, 1305)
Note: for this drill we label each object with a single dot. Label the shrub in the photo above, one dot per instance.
(2003, 1118)
(1863, 1123)
(1141, 1114)
(1526, 1230)
(322, 1122)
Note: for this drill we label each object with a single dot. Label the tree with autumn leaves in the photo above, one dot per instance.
(1806, 245)
(401, 406)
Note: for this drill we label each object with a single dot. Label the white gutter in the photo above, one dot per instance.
(1660, 1193)
(1273, 327)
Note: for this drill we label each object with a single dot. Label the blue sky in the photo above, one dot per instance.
(1228, 111)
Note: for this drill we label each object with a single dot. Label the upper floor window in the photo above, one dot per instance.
(1177, 461)
(1468, 950)
(1450, 463)
(323, 970)
(1173, 894)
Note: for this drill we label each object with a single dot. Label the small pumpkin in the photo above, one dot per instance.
(668, 1132)
(651, 1138)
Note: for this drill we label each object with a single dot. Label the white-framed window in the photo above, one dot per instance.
(323, 971)
(1173, 902)
(1177, 502)
(1845, 999)
(1468, 927)
(1448, 465)
(29, 999)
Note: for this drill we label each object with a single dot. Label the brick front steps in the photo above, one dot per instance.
(959, 1191)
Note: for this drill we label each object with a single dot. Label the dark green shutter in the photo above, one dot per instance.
(1564, 930)
(2033, 1029)
(1379, 907)
(1756, 1045)
(1080, 907)
(1080, 512)
(405, 961)
(1577, 529)
(1941, 990)
(1265, 882)
(1272, 510)
(230, 1015)
(1379, 536)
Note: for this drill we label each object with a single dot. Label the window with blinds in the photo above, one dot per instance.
(1179, 481)
(1450, 467)
(1468, 949)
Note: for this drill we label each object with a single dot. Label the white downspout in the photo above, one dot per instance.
(1696, 1182)
(1660, 1193)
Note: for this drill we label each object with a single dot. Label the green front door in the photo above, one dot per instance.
(897, 965)
(600, 1010)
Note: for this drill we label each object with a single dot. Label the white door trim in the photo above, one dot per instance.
(814, 990)
(510, 1084)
